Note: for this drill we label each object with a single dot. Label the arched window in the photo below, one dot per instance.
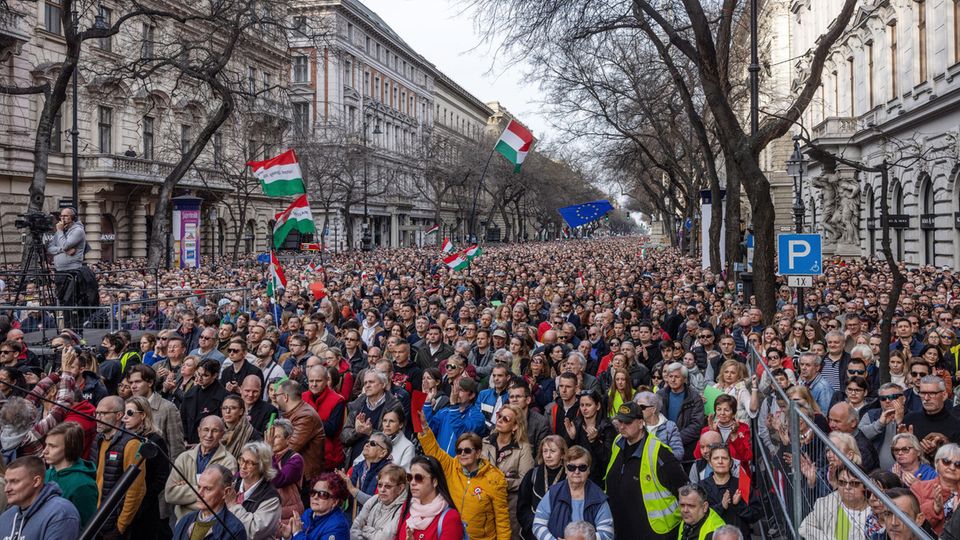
(928, 233)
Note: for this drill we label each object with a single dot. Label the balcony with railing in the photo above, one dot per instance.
(836, 127)
(105, 166)
(275, 108)
(13, 32)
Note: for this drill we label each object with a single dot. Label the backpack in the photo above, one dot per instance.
(440, 526)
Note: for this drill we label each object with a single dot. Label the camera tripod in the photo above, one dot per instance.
(36, 269)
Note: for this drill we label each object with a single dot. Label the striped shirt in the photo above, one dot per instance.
(831, 372)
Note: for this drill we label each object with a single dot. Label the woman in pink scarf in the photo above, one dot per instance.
(430, 513)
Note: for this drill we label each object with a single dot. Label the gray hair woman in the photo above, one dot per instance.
(289, 466)
(362, 482)
(252, 498)
(657, 423)
(911, 465)
(379, 517)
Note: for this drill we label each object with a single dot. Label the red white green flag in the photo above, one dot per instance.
(515, 143)
(279, 176)
(457, 261)
(297, 217)
(431, 230)
(276, 280)
(447, 246)
(472, 252)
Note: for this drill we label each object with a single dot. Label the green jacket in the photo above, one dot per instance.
(78, 483)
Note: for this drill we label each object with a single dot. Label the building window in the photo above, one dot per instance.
(267, 82)
(378, 52)
(853, 87)
(893, 61)
(366, 83)
(105, 128)
(252, 80)
(51, 17)
(350, 33)
(348, 74)
(367, 45)
(299, 24)
(56, 134)
(922, 40)
(184, 138)
(106, 43)
(300, 69)
(870, 74)
(836, 93)
(376, 88)
(147, 137)
(301, 119)
(217, 149)
(148, 40)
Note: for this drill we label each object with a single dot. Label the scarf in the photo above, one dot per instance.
(422, 515)
(10, 438)
(237, 436)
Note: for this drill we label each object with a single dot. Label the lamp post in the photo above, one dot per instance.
(100, 23)
(796, 167)
(366, 238)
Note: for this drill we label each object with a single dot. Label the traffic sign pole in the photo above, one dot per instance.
(800, 255)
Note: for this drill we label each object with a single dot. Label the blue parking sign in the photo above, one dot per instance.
(800, 254)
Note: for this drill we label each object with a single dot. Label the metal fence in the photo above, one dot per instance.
(798, 463)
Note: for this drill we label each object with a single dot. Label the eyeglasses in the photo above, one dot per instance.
(131, 412)
(890, 397)
(374, 444)
(382, 486)
(583, 467)
(416, 477)
(104, 413)
(950, 463)
(855, 390)
(205, 337)
(901, 449)
(323, 495)
(856, 371)
(465, 451)
(849, 483)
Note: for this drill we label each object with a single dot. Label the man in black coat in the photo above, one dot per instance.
(204, 398)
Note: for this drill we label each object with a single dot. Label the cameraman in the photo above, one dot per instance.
(67, 247)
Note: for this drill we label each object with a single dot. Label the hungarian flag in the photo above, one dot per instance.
(580, 281)
(457, 261)
(431, 230)
(565, 231)
(297, 216)
(276, 280)
(279, 176)
(447, 246)
(472, 252)
(313, 268)
(514, 144)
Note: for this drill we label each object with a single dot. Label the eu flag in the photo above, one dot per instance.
(580, 214)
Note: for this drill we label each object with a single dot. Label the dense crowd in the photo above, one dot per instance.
(576, 390)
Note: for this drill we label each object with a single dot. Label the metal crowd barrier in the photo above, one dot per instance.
(799, 483)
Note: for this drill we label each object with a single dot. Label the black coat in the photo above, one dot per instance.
(740, 515)
(197, 403)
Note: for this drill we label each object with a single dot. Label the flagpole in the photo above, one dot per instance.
(476, 195)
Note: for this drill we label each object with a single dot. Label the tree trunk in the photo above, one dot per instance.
(898, 278)
(732, 218)
(348, 220)
(716, 224)
(764, 237)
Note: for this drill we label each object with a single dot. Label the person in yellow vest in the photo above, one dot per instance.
(699, 520)
(642, 468)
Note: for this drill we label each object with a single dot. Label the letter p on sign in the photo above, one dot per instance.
(797, 249)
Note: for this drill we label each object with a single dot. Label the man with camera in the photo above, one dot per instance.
(67, 247)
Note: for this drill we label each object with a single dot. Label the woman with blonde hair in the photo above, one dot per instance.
(508, 449)
(138, 418)
(379, 518)
(733, 382)
(252, 497)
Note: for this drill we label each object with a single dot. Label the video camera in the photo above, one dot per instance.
(35, 222)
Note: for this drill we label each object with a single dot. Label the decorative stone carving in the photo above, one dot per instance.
(840, 194)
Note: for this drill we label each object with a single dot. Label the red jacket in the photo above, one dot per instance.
(88, 425)
(452, 528)
(324, 404)
(346, 380)
(740, 447)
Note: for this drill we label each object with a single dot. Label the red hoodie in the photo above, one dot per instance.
(88, 425)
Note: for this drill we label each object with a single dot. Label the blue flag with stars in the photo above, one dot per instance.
(580, 214)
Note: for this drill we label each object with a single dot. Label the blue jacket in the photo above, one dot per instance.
(822, 393)
(50, 517)
(669, 434)
(234, 527)
(555, 512)
(450, 422)
(332, 526)
(488, 403)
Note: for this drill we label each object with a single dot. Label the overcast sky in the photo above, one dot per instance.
(437, 30)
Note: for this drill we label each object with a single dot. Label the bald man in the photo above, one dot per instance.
(845, 419)
(258, 410)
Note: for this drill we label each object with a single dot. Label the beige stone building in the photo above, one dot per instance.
(130, 134)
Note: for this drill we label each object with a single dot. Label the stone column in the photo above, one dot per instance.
(138, 243)
(91, 216)
(394, 228)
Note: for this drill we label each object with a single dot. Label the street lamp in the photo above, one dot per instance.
(366, 239)
(796, 167)
(99, 23)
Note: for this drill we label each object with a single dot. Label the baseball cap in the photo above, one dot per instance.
(500, 332)
(628, 412)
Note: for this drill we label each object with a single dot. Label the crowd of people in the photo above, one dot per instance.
(582, 390)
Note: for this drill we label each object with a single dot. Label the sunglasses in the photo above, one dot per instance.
(130, 412)
(890, 397)
(465, 451)
(234, 350)
(918, 374)
(416, 477)
(583, 467)
(323, 495)
(950, 463)
(849, 483)
(374, 444)
(856, 371)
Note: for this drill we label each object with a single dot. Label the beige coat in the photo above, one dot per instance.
(177, 492)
